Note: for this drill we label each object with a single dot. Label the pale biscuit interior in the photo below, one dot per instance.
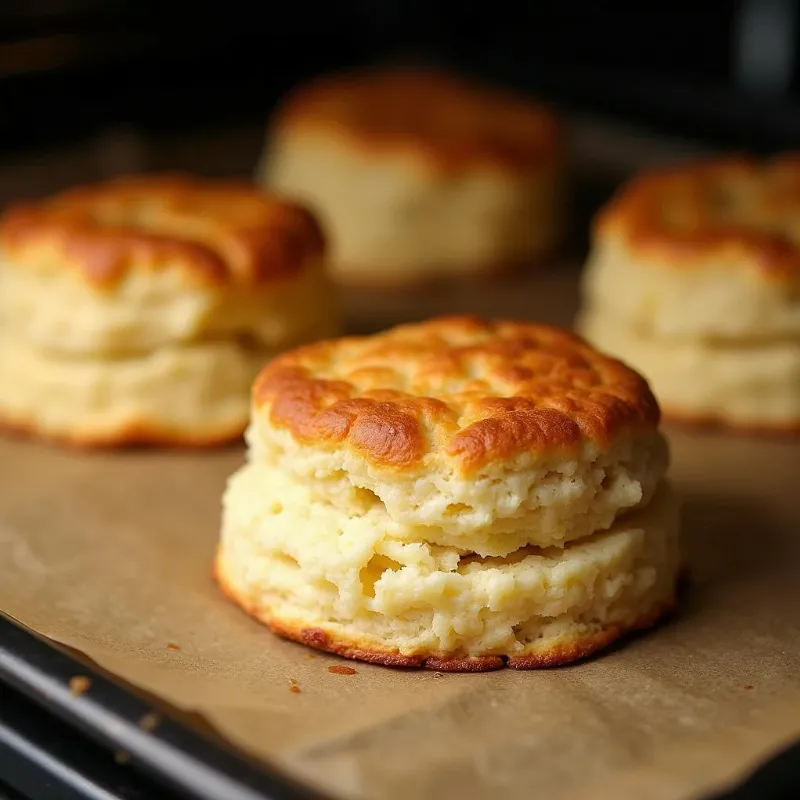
(189, 391)
(714, 298)
(292, 559)
(390, 216)
(743, 383)
(53, 307)
(545, 500)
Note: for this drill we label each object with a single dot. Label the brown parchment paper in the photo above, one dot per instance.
(110, 553)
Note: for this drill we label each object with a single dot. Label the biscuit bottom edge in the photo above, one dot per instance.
(417, 282)
(192, 395)
(324, 580)
(561, 653)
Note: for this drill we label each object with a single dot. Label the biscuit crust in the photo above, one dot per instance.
(744, 211)
(449, 120)
(215, 233)
(472, 391)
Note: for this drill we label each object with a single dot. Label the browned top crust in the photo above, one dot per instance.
(215, 232)
(453, 121)
(459, 388)
(744, 210)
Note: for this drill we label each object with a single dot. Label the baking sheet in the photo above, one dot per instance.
(110, 553)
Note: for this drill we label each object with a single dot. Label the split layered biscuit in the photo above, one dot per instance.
(420, 175)
(694, 279)
(457, 494)
(141, 309)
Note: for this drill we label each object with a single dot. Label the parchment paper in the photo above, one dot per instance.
(110, 553)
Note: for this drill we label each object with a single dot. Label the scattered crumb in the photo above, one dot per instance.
(149, 721)
(438, 675)
(293, 687)
(309, 656)
(121, 757)
(337, 669)
(79, 684)
(748, 686)
(173, 646)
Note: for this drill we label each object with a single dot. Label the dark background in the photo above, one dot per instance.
(725, 72)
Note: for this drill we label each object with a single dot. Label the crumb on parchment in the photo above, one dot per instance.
(338, 669)
(149, 721)
(79, 684)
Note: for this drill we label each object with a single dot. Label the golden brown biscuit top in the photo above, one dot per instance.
(469, 389)
(217, 232)
(451, 119)
(735, 206)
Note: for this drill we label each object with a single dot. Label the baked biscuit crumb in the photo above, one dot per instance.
(79, 685)
(337, 669)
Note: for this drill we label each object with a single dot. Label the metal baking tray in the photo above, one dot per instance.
(58, 743)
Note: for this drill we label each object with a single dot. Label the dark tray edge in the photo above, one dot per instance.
(111, 714)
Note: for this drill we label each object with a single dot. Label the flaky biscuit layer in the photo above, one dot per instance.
(178, 394)
(52, 309)
(749, 385)
(342, 583)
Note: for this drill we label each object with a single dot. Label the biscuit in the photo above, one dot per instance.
(694, 278)
(457, 493)
(142, 308)
(420, 175)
